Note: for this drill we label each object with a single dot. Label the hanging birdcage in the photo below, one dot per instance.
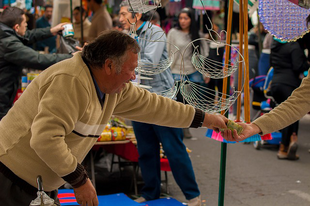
(146, 67)
(142, 6)
(215, 69)
(206, 99)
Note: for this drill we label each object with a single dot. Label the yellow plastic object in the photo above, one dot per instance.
(112, 134)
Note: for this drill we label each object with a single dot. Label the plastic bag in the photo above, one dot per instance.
(67, 45)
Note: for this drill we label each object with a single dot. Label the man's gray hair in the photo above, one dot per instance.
(112, 45)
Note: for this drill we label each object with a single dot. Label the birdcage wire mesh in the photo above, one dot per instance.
(206, 99)
(146, 67)
(142, 6)
(211, 68)
(201, 97)
(169, 93)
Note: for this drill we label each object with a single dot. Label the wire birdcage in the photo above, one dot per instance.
(142, 6)
(206, 99)
(169, 93)
(146, 67)
(215, 69)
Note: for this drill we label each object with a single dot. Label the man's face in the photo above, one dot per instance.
(124, 16)
(48, 13)
(22, 27)
(127, 73)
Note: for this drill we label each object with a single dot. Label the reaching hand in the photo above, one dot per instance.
(57, 28)
(86, 194)
(248, 131)
(215, 122)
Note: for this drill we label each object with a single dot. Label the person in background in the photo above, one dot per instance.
(61, 114)
(149, 136)
(15, 54)
(290, 92)
(289, 63)
(43, 22)
(264, 59)
(186, 31)
(77, 24)
(287, 113)
(101, 19)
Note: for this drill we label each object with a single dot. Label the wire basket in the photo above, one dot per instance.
(215, 69)
(142, 6)
(146, 67)
(169, 93)
(206, 99)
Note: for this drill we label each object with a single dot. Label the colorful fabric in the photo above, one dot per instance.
(206, 4)
(218, 137)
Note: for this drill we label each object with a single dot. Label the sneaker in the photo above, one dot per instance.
(140, 200)
(194, 202)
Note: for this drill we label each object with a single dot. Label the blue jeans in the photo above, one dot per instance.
(194, 77)
(148, 138)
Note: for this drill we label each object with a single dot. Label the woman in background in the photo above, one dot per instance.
(289, 63)
(77, 24)
(185, 32)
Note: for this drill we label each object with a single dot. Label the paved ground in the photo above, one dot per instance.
(253, 177)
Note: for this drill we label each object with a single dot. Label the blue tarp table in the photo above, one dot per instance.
(66, 197)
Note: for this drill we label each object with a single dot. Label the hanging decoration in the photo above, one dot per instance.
(283, 19)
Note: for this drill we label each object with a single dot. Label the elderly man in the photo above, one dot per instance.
(59, 117)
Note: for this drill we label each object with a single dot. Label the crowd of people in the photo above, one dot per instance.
(65, 109)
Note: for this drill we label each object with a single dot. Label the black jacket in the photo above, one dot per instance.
(15, 55)
(288, 61)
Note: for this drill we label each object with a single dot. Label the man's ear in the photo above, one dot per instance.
(16, 27)
(108, 66)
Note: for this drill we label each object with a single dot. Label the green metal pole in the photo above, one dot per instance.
(222, 174)
(223, 163)
(71, 15)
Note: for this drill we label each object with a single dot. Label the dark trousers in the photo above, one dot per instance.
(12, 194)
(148, 138)
(280, 93)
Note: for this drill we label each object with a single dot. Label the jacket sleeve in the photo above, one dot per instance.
(153, 46)
(140, 105)
(35, 35)
(17, 53)
(288, 112)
